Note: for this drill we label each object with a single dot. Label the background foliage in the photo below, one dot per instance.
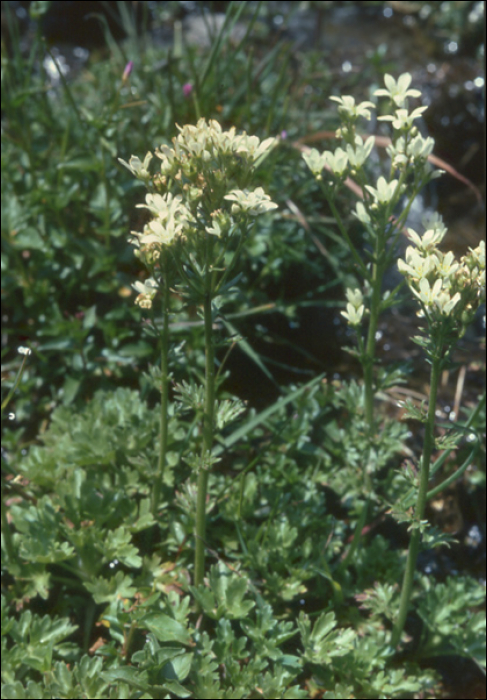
(96, 594)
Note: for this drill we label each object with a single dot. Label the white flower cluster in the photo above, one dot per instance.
(445, 287)
(207, 141)
(408, 146)
(200, 189)
(171, 219)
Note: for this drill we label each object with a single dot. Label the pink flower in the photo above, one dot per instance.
(127, 71)
(187, 89)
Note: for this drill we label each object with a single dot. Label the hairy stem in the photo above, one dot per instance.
(199, 559)
(414, 543)
(368, 363)
(156, 491)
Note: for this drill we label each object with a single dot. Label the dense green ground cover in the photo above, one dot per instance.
(97, 594)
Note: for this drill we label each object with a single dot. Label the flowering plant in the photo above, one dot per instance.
(448, 291)
(409, 172)
(202, 209)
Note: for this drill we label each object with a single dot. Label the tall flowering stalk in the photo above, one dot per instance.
(202, 211)
(409, 171)
(449, 293)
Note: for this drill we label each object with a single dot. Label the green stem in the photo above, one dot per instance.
(408, 497)
(368, 361)
(88, 620)
(156, 491)
(199, 558)
(414, 543)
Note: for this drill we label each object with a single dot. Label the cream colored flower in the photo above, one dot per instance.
(315, 161)
(361, 213)
(384, 191)
(429, 240)
(137, 167)
(403, 120)
(398, 91)
(355, 307)
(165, 207)
(427, 294)
(160, 233)
(354, 316)
(416, 266)
(348, 108)
(253, 148)
(254, 203)
(337, 161)
(355, 297)
(358, 155)
(146, 292)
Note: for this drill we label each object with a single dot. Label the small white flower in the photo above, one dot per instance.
(347, 107)
(164, 207)
(207, 140)
(403, 119)
(254, 203)
(427, 294)
(161, 233)
(354, 316)
(23, 350)
(384, 191)
(428, 241)
(420, 148)
(337, 161)
(355, 297)
(445, 304)
(137, 167)
(221, 223)
(358, 155)
(416, 266)
(315, 161)
(168, 157)
(147, 291)
(398, 91)
(446, 266)
(361, 213)
(254, 147)
(214, 230)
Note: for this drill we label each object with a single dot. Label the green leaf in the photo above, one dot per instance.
(227, 411)
(89, 319)
(108, 590)
(70, 389)
(413, 412)
(29, 239)
(166, 629)
(127, 674)
(226, 594)
(323, 642)
(16, 691)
